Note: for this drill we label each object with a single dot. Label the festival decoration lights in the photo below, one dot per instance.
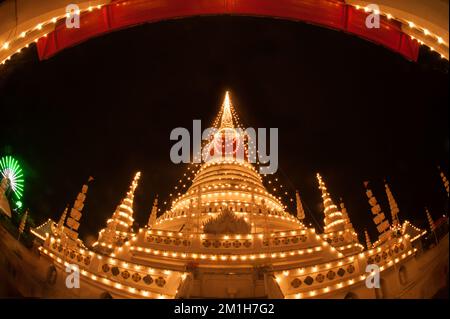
(12, 171)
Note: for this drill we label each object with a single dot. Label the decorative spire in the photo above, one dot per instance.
(119, 225)
(368, 242)
(4, 185)
(444, 180)
(393, 206)
(123, 216)
(153, 214)
(430, 220)
(379, 219)
(300, 210)
(333, 217)
(22, 224)
(75, 213)
(62, 219)
(227, 117)
(348, 223)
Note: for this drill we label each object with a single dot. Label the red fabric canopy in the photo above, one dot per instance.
(329, 13)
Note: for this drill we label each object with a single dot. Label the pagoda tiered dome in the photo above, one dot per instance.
(227, 181)
(232, 184)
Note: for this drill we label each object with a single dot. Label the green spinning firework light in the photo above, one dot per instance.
(10, 169)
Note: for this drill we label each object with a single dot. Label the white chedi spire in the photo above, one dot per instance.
(300, 210)
(4, 185)
(123, 216)
(23, 222)
(444, 181)
(393, 206)
(379, 219)
(153, 214)
(430, 220)
(368, 242)
(119, 226)
(73, 221)
(333, 220)
(4, 204)
(62, 219)
(348, 223)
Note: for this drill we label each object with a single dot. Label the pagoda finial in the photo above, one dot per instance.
(444, 180)
(348, 223)
(73, 221)
(430, 220)
(393, 206)
(227, 116)
(62, 219)
(379, 219)
(23, 222)
(134, 184)
(368, 242)
(300, 210)
(4, 184)
(154, 212)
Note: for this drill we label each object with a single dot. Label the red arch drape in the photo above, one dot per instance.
(328, 13)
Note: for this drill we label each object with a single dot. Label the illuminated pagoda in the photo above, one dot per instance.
(227, 236)
(118, 229)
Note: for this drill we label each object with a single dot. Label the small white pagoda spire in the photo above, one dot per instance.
(62, 219)
(4, 185)
(119, 226)
(430, 220)
(444, 180)
(368, 242)
(73, 221)
(300, 210)
(123, 215)
(22, 224)
(379, 219)
(333, 217)
(432, 225)
(393, 206)
(348, 223)
(153, 214)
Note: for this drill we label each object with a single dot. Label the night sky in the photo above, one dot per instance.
(346, 108)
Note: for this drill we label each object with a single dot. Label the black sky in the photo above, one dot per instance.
(347, 108)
